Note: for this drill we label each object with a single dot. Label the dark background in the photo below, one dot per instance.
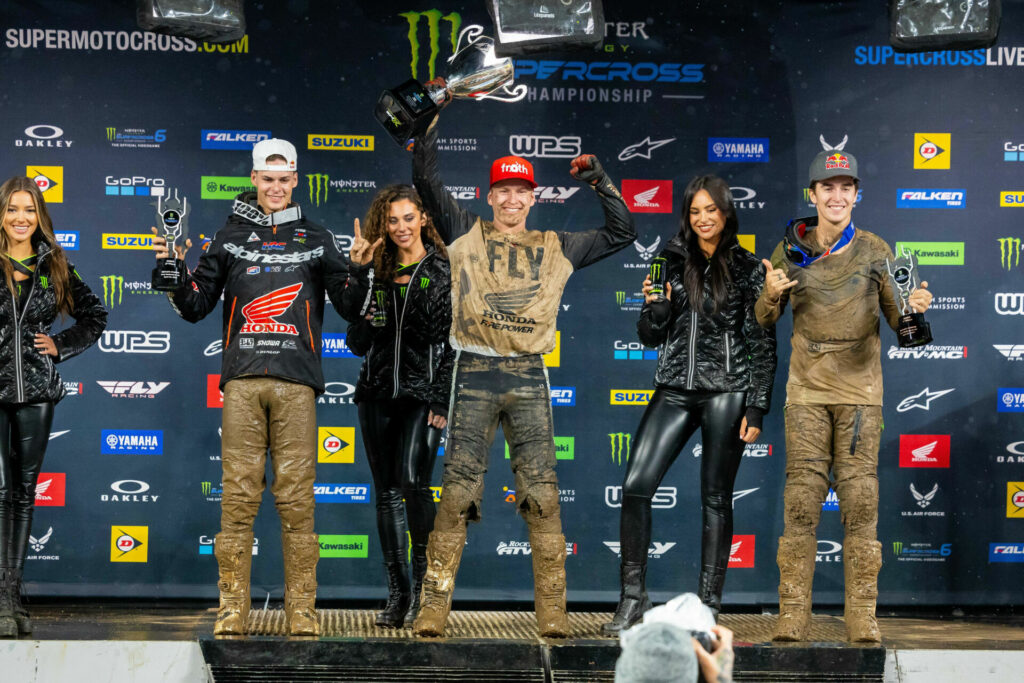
(788, 72)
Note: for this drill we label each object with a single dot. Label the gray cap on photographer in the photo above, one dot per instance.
(660, 654)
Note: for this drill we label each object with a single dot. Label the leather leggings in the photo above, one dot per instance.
(24, 435)
(670, 420)
(401, 449)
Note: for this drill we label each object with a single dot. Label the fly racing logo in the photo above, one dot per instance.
(1010, 351)
(132, 389)
(924, 499)
(922, 400)
(433, 19)
(928, 352)
(643, 148)
(1009, 252)
(647, 253)
(1009, 303)
(554, 194)
(261, 313)
(657, 549)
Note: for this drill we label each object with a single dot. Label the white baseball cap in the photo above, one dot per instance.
(268, 148)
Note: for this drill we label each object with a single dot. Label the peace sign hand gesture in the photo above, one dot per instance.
(362, 251)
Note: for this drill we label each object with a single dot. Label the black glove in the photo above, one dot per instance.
(755, 417)
(587, 168)
(660, 311)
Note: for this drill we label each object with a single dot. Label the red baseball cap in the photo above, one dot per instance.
(512, 168)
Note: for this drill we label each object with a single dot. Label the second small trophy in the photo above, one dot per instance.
(172, 216)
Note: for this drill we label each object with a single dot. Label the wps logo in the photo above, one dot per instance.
(1009, 303)
(336, 445)
(1009, 252)
(50, 489)
(129, 544)
(49, 180)
(113, 290)
(626, 397)
(931, 150)
(648, 196)
(433, 19)
(340, 143)
(319, 187)
(135, 341)
(1014, 499)
(545, 146)
(664, 498)
(261, 313)
(620, 443)
(924, 450)
(741, 553)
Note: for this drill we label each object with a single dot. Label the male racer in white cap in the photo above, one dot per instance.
(273, 267)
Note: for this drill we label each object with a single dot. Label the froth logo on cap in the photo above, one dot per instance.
(514, 167)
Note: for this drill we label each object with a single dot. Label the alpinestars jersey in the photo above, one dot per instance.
(273, 277)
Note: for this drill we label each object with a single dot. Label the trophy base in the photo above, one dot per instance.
(406, 111)
(168, 275)
(913, 331)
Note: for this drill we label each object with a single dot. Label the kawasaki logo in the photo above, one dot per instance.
(113, 288)
(620, 443)
(434, 19)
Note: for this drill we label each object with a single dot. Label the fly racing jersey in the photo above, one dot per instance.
(273, 271)
(507, 287)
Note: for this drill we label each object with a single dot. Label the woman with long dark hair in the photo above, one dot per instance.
(402, 330)
(40, 285)
(716, 366)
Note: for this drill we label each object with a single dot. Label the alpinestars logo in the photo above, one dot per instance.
(259, 257)
(928, 352)
(261, 313)
(643, 149)
(922, 400)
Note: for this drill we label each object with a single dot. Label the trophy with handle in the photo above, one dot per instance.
(172, 216)
(474, 72)
(912, 329)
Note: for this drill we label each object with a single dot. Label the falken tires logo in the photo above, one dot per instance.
(261, 313)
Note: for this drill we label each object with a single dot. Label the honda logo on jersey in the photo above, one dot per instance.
(261, 313)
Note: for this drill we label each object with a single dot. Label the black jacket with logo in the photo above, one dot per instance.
(728, 351)
(409, 357)
(273, 278)
(27, 376)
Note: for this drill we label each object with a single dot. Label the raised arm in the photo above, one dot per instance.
(451, 220)
(590, 246)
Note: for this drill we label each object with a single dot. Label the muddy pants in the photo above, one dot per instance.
(262, 413)
(514, 391)
(843, 439)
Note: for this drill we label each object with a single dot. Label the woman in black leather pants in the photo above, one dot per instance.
(40, 284)
(405, 381)
(716, 367)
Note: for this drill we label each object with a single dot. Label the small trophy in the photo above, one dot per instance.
(474, 73)
(172, 214)
(912, 330)
(657, 276)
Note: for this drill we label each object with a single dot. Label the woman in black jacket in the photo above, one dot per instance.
(40, 285)
(716, 366)
(405, 382)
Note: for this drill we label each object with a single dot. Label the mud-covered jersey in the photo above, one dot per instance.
(836, 356)
(506, 288)
(273, 278)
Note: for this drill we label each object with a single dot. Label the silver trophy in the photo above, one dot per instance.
(172, 215)
(912, 329)
(474, 73)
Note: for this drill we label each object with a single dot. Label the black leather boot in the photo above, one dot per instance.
(399, 593)
(419, 570)
(635, 532)
(633, 600)
(709, 588)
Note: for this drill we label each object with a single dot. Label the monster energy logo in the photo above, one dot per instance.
(44, 281)
(424, 282)
(434, 19)
(620, 298)
(897, 547)
(401, 291)
(1009, 252)
(207, 487)
(319, 185)
(113, 287)
(111, 134)
(620, 442)
(380, 297)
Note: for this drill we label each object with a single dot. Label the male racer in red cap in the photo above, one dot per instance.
(507, 285)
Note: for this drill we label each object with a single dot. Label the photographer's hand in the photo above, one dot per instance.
(716, 666)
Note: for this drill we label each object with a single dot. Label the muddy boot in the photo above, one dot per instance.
(301, 553)
(548, 552)
(862, 558)
(419, 569)
(444, 552)
(8, 626)
(633, 600)
(399, 594)
(20, 613)
(796, 573)
(234, 561)
(709, 588)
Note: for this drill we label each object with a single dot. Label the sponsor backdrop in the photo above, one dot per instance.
(114, 118)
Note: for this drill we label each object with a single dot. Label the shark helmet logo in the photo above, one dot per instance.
(261, 313)
(433, 18)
